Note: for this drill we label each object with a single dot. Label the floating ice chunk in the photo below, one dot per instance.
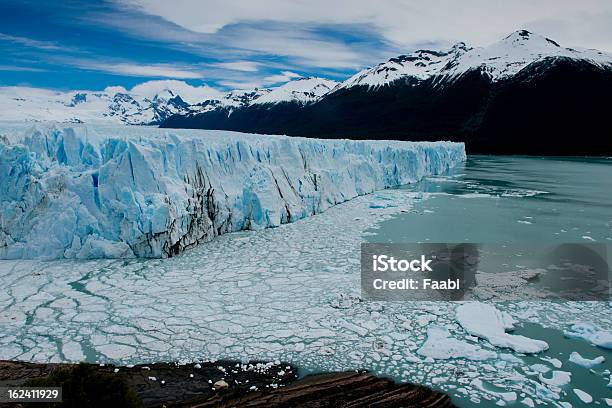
(592, 334)
(72, 351)
(576, 358)
(529, 402)
(554, 361)
(116, 351)
(545, 393)
(584, 397)
(441, 346)
(540, 368)
(558, 378)
(509, 396)
(487, 322)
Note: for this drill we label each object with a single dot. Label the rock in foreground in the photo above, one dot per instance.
(249, 385)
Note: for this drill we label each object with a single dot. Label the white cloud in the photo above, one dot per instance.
(302, 44)
(17, 68)
(140, 70)
(245, 66)
(239, 85)
(115, 89)
(284, 76)
(402, 22)
(29, 42)
(189, 93)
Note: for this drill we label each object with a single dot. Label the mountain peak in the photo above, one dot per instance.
(521, 37)
(460, 46)
(523, 34)
(301, 90)
(499, 60)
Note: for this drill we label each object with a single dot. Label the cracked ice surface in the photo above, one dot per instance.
(289, 293)
(118, 192)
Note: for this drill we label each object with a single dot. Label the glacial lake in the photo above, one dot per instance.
(508, 199)
(293, 293)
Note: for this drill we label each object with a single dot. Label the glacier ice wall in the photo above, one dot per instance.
(111, 191)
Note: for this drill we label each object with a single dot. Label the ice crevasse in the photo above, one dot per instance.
(112, 191)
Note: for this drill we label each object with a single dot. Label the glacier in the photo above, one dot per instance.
(114, 191)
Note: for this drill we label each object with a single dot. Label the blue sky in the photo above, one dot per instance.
(243, 44)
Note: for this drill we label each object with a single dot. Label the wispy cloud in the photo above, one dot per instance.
(240, 84)
(260, 82)
(16, 68)
(306, 44)
(138, 70)
(29, 42)
(284, 76)
(401, 22)
(245, 66)
(303, 44)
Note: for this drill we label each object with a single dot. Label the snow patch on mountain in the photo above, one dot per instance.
(109, 191)
(500, 60)
(420, 64)
(507, 57)
(230, 101)
(303, 90)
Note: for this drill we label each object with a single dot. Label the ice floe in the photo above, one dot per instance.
(487, 322)
(440, 345)
(592, 334)
(584, 397)
(576, 358)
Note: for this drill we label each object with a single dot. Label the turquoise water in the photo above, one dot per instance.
(510, 199)
(592, 380)
(502, 199)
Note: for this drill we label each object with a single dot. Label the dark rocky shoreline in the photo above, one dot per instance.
(214, 384)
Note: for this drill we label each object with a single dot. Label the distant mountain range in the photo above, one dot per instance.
(33, 104)
(523, 94)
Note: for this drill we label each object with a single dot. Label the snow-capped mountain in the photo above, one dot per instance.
(302, 91)
(523, 94)
(116, 104)
(509, 56)
(420, 64)
(500, 60)
(524, 85)
(110, 105)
